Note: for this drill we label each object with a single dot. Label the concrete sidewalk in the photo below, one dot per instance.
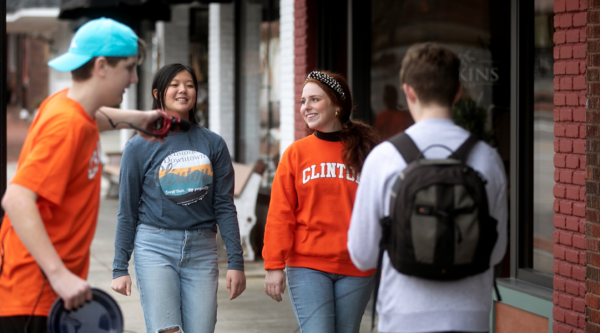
(253, 311)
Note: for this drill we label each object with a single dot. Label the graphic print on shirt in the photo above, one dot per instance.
(94, 162)
(185, 176)
(329, 170)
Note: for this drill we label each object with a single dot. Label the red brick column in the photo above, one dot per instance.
(38, 72)
(305, 54)
(592, 169)
(569, 162)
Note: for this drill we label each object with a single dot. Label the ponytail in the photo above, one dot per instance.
(358, 140)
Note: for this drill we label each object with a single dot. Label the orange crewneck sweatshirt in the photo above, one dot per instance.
(311, 206)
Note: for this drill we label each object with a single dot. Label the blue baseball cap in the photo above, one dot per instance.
(100, 37)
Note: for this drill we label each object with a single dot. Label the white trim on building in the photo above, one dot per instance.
(286, 37)
(221, 72)
(32, 20)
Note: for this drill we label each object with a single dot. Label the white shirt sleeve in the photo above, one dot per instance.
(498, 202)
(372, 204)
(487, 161)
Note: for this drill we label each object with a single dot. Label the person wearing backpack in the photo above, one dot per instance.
(443, 218)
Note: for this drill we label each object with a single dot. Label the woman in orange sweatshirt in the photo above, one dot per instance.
(309, 215)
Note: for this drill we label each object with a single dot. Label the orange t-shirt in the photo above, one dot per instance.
(311, 206)
(60, 162)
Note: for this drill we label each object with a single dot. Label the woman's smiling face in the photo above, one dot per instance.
(180, 95)
(318, 110)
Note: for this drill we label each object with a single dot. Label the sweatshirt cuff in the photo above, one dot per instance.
(274, 264)
(118, 272)
(236, 266)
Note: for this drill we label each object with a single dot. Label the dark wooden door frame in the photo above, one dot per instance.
(3, 95)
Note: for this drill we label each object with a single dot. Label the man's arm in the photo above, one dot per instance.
(496, 190)
(141, 119)
(370, 205)
(19, 203)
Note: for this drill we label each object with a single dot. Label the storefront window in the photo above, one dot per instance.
(543, 136)
(269, 98)
(199, 60)
(465, 27)
(479, 33)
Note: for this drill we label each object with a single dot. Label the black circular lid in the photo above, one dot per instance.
(101, 315)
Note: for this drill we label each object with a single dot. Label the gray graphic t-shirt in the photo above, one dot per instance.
(184, 183)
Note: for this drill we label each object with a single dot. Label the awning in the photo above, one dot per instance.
(126, 10)
(32, 16)
(32, 20)
(122, 10)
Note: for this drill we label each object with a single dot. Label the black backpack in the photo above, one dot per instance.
(439, 226)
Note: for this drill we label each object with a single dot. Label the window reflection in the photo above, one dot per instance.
(249, 82)
(479, 32)
(269, 98)
(462, 26)
(543, 136)
(259, 96)
(199, 60)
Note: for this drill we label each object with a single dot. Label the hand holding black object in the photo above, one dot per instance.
(169, 124)
(163, 125)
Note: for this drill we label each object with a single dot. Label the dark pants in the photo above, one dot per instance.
(16, 324)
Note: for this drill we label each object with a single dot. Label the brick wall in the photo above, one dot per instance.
(592, 168)
(569, 162)
(34, 90)
(305, 54)
(38, 73)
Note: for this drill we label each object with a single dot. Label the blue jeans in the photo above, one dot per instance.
(326, 302)
(177, 277)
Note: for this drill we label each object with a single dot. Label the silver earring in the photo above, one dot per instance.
(336, 113)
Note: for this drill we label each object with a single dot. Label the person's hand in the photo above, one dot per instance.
(236, 283)
(147, 122)
(275, 284)
(122, 285)
(73, 290)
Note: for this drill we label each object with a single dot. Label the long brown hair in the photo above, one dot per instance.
(357, 137)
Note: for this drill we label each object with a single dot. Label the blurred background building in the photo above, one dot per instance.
(529, 72)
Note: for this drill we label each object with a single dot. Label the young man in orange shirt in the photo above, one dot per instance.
(52, 202)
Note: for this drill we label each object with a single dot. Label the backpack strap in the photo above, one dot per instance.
(405, 146)
(410, 152)
(463, 151)
(498, 298)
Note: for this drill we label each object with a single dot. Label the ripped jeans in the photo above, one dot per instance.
(177, 277)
